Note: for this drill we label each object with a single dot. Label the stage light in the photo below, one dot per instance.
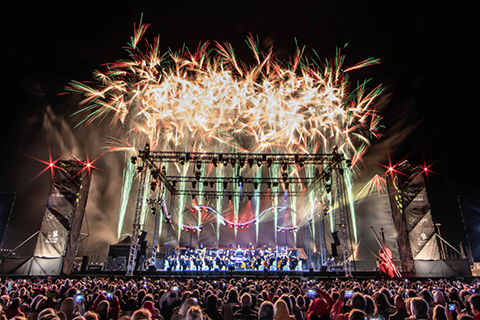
(328, 187)
(133, 160)
(284, 166)
(139, 169)
(225, 185)
(233, 161)
(255, 185)
(199, 165)
(340, 171)
(174, 184)
(187, 156)
(269, 184)
(284, 177)
(348, 162)
(269, 162)
(302, 163)
(240, 181)
(193, 196)
(164, 171)
(167, 221)
(197, 175)
(153, 210)
(250, 162)
(275, 183)
(249, 198)
(242, 163)
(286, 185)
(212, 184)
(205, 184)
(230, 197)
(390, 169)
(214, 162)
(225, 162)
(259, 162)
(194, 184)
(182, 161)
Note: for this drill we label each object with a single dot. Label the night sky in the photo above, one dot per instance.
(429, 70)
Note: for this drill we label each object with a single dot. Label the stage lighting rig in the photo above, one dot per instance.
(133, 160)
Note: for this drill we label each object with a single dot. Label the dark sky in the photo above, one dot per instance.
(428, 54)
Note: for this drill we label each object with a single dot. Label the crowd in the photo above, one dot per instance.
(237, 299)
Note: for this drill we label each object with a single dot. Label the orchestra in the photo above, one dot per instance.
(234, 259)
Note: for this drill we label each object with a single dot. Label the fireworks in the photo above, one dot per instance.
(208, 100)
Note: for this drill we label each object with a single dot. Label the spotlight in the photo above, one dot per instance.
(187, 156)
(212, 184)
(225, 162)
(230, 197)
(167, 221)
(153, 210)
(269, 184)
(286, 185)
(194, 184)
(284, 166)
(348, 162)
(240, 181)
(250, 162)
(225, 185)
(164, 171)
(133, 160)
(302, 163)
(214, 162)
(284, 177)
(193, 196)
(259, 162)
(205, 184)
(340, 171)
(255, 185)
(197, 175)
(275, 183)
(139, 169)
(233, 161)
(174, 184)
(242, 163)
(250, 198)
(199, 165)
(182, 161)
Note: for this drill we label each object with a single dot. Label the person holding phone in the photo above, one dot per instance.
(474, 301)
(320, 307)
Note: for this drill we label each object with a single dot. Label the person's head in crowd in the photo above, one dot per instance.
(419, 308)
(453, 294)
(150, 307)
(464, 294)
(369, 305)
(141, 314)
(187, 304)
(280, 310)
(266, 311)
(194, 313)
(301, 301)
(358, 301)
(79, 318)
(439, 298)
(464, 316)
(232, 296)
(287, 300)
(246, 300)
(382, 303)
(474, 301)
(356, 314)
(212, 301)
(426, 295)
(90, 315)
(439, 313)
(61, 315)
(68, 306)
(44, 312)
(411, 293)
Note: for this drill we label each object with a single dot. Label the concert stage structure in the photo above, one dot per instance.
(240, 200)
